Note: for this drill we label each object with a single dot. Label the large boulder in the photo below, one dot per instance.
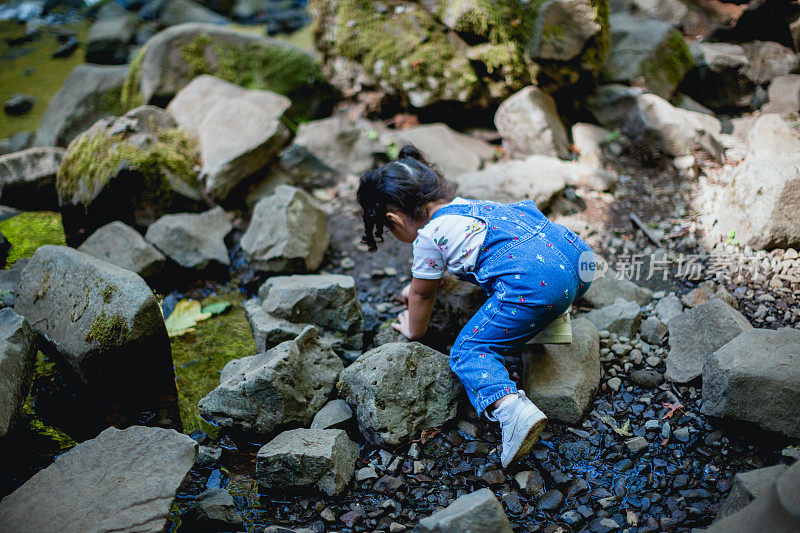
(562, 379)
(284, 387)
(399, 389)
(121, 245)
(89, 93)
(756, 378)
(174, 12)
(661, 126)
(721, 77)
(288, 233)
(102, 321)
(649, 49)
(538, 177)
(239, 130)
(529, 123)
(132, 168)
(326, 300)
(302, 459)
(769, 60)
(28, 178)
(193, 241)
(697, 333)
(475, 53)
(453, 152)
(621, 317)
(476, 512)
(747, 486)
(776, 509)
(17, 358)
(109, 39)
(119, 481)
(173, 57)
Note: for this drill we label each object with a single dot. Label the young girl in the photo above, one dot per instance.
(528, 265)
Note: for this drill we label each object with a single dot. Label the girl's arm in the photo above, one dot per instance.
(414, 322)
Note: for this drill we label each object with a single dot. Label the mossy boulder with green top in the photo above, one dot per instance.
(132, 168)
(173, 57)
(99, 321)
(473, 52)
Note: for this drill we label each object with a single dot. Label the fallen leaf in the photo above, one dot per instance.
(216, 308)
(184, 317)
(672, 408)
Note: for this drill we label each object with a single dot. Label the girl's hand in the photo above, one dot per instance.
(404, 294)
(402, 325)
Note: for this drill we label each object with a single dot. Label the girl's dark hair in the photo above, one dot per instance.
(407, 184)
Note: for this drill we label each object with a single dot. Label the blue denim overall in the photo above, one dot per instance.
(529, 266)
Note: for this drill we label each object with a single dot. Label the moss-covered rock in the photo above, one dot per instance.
(27, 232)
(133, 168)
(173, 57)
(475, 52)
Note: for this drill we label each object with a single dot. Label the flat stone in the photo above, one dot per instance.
(121, 245)
(334, 415)
(119, 481)
(194, 241)
(604, 291)
(213, 510)
(622, 317)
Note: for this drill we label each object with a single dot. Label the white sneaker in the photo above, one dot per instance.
(521, 423)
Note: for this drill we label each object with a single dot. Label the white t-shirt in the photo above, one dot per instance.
(449, 242)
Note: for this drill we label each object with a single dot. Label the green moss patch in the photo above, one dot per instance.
(200, 356)
(668, 65)
(270, 67)
(27, 232)
(93, 158)
(130, 97)
(109, 331)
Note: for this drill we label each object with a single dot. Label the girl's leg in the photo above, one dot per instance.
(477, 354)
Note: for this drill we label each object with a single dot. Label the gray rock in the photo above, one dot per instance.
(300, 459)
(17, 358)
(86, 96)
(288, 233)
(247, 120)
(334, 415)
(399, 389)
(529, 123)
(622, 317)
(101, 320)
(755, 378)
(283, 387)
(194, 241)
(510, 181)
(721, 76)
(269, 330)
(776, 509)
(655, 122)
(574, 23)
(119, 481)
(562, 379)
(326, 300)
(611, 104)
(17, 142)
(769, 60)
(121, 245)
(453, 152)
(653, 330)
(208, 456)
(589, 140)
(476, 512)
(28, 178)
(747, 486)
(604, 290)
(770, 135)
(649, 379)
(18, 104)
(698, 333)
(109, 39)
(668, 308)
(212, 510)
(636, 445)
(175, 12)
(530, 481)
(784, 95)
(648, 49)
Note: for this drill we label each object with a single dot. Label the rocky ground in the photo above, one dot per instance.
(213, 302)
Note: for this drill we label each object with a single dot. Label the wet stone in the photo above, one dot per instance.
(530, 481)
(550, 500)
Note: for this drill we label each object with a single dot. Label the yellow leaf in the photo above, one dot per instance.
(184, 317)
